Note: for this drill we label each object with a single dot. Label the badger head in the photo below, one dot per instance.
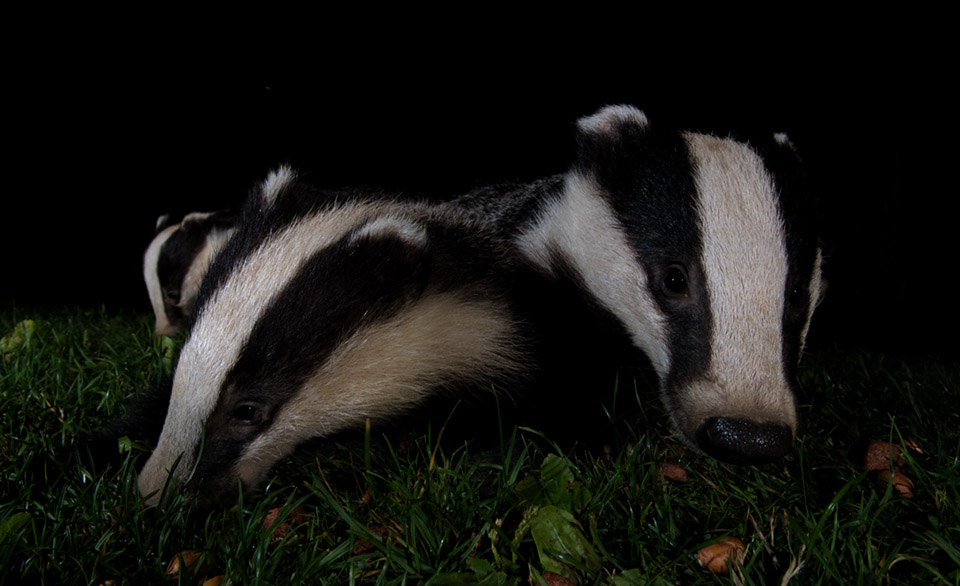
(702, 248)
(176, 261)
(319, 314)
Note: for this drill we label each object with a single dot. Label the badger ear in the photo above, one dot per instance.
(612, 120)
(389, 227)
(275, 184)
(781, 139)
(781, 157)
(388, 254)
(162, 222)
(605, 137)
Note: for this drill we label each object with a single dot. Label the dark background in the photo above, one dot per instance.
(101, 142)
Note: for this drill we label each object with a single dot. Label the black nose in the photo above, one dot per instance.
(741, 441)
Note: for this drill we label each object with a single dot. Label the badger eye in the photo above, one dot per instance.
(247, 414)
(172, 295)
(675, 280)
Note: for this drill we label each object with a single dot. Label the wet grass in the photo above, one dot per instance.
(404, 508)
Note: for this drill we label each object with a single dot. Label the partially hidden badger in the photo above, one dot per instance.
(317, 316)
(176, 261)
(328, 308)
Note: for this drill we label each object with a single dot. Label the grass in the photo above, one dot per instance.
(377, 508)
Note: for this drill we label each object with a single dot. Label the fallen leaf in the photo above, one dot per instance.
(189, 558)
(19, 337)
(294, 518)
(878, 455)
(215, 581)
(672, 472)
(901, 483)
(721, 555)
(559, 540)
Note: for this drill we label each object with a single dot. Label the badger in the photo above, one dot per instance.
(324, 310)
(702, 249)
(328, 308)
(176, 261)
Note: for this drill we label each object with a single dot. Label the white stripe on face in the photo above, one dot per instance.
(582, 227)
(154, 289)
(745, 265)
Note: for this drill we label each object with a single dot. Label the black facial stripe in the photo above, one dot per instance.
(338, 291)
(179, 252)
(258, 223)
(797, 205)
(648, 178)
(217, 458)
(177, 255)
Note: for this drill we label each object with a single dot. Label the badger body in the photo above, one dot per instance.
(702, 249)
(176, 261)
(327, 309)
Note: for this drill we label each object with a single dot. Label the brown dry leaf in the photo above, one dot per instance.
(715, 557)
(296, 517)
(672, 472)
(901, 483)
(554, 579)
(878, 455)
(190, 558)
(215, 581)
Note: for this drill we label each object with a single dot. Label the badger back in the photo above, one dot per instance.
(327, 309)
(176, 261)
(703, 249)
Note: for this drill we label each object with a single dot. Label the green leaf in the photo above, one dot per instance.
(125, 444)
(12, 525)
(560, 487)
(560, 543)
(19, 337)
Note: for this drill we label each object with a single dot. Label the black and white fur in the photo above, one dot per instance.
(703, 250)
(176, 261)
(324, 310)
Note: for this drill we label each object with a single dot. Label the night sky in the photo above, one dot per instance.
(102, 145)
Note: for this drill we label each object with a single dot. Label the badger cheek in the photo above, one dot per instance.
(258, 458)
(683, 414)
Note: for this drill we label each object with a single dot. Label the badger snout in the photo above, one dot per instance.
(741, 441)
(744, 423)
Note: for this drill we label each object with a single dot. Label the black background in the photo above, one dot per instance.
(103, 138)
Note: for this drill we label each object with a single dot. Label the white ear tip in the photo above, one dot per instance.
(276, 181)
(608, 118)
(386, 226)
(782, 139)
